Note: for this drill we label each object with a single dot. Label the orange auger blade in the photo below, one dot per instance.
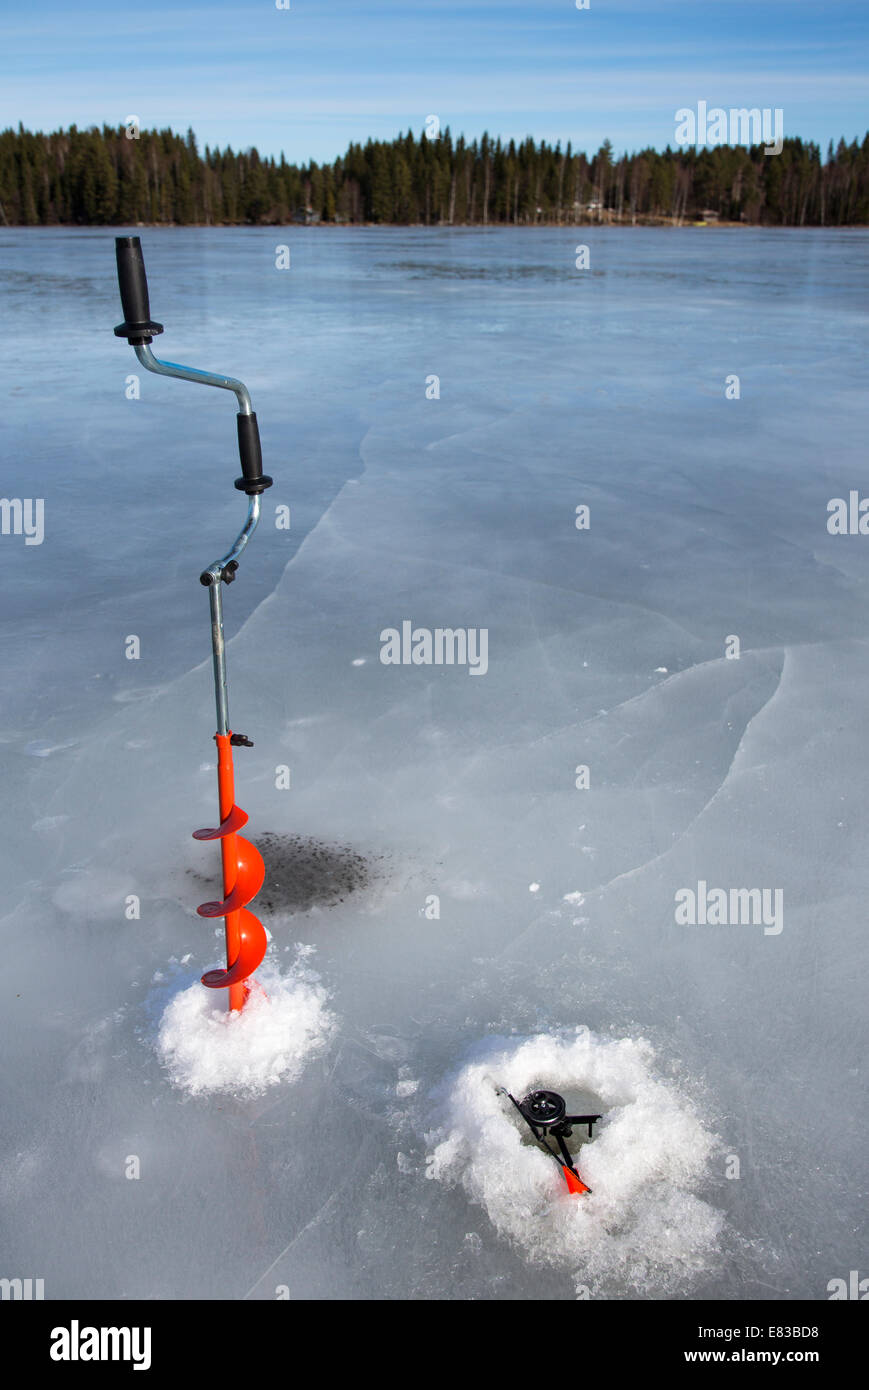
(249, 880)
(575, 1184)
(234, 821)
(253, 943)
(243, 876)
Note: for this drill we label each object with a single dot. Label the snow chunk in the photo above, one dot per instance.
(284, 1023)
(643, 1224)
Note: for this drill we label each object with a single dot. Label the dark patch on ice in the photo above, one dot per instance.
(302, 872)
(458, 270)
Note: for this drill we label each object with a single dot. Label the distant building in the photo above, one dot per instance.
(306, 217)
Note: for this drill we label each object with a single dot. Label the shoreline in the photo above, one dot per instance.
(665, 223)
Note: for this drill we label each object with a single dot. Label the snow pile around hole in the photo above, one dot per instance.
(284, 1023)
(643, 1229)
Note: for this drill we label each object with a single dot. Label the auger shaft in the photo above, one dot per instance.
(229, 862)
(212, 577)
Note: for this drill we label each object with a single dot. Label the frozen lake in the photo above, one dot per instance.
(447, 906)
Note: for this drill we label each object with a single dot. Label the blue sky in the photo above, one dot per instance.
(309, 79)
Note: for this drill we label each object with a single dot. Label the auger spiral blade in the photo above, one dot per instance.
(243, 876)
(253, 947)
(251, 872)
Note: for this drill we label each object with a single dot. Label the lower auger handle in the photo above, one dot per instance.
(243, 876)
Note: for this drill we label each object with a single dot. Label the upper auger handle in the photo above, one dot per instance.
(138, 327)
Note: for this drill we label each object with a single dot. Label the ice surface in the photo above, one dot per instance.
(454, 795)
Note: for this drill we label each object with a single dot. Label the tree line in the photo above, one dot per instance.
(103, 177)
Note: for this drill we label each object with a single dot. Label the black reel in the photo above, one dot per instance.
(542, 1109)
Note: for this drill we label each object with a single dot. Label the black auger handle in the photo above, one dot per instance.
(253, 480)
(138, 327)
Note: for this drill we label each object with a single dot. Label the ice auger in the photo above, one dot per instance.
(544, 1112)
(243, 868)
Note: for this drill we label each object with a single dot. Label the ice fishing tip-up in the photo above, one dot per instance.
(545, 1114)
